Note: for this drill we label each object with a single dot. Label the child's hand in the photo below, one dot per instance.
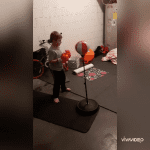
(59, 60)
(65, 67)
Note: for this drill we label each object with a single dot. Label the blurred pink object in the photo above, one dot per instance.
(80, 74)
(103, 72)
(92, 74)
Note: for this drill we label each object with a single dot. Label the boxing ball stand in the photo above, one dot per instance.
(87, 106)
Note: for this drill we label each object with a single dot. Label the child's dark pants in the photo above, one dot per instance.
(59, 80)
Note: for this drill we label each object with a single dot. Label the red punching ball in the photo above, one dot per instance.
(82, 47)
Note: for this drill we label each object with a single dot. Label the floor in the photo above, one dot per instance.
(101, 136)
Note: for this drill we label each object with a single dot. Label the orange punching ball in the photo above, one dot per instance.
(89, 56)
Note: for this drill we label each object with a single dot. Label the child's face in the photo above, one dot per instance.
(57, 43)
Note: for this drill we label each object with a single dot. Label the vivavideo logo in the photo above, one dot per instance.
(140, 140)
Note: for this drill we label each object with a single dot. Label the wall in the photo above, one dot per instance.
(75, 19)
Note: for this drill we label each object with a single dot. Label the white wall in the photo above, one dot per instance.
(75, 19)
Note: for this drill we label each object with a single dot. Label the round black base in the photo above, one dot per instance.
(87, 109)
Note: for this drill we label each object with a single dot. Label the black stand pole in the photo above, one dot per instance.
(85, 84)
(87, 106)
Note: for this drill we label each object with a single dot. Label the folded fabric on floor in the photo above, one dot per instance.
(112, 56)
(92, 74)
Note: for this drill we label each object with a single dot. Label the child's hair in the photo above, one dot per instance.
(54, 36)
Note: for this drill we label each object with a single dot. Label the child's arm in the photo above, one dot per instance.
(55, 60)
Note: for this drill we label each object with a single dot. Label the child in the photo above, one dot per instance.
(56, 65)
